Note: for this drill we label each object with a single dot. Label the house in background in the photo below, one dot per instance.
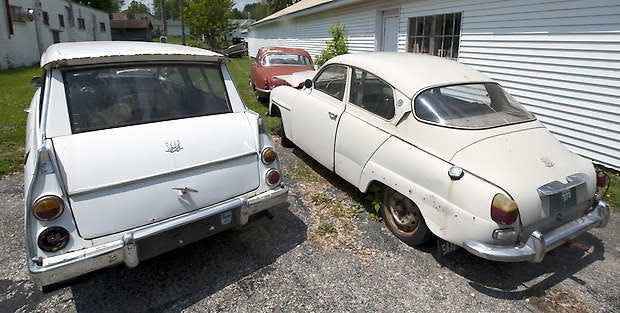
(27, 28)
(560, 59)
(124, 29)
(173, 27)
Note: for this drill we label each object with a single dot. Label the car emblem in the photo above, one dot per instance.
(173, 146)
(547, 162)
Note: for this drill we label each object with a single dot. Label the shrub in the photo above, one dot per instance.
(336, 46)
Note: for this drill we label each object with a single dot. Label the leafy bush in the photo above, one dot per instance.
(336, 46)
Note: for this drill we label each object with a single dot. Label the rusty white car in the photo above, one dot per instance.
(455, 155)
(134, 149)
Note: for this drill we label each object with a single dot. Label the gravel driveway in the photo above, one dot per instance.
(324, 252)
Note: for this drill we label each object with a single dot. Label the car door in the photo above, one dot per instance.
(362, 127)
(316, 115)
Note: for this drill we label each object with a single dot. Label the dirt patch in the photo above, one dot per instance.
(558, 300)
(332, 215)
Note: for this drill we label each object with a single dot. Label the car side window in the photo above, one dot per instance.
(371, 93)
(332, 81)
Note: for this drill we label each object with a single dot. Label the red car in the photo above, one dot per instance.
(275, 61)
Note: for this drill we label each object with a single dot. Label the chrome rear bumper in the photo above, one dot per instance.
(539, 244)
(72, 264)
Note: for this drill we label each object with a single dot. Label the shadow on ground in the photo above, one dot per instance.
(511, 281)
(176, 280)
(518, 281)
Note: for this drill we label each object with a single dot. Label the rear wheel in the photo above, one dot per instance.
(404, 219)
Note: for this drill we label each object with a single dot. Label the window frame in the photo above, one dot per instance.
(412, 34)
(81, 23)
(61, 20)
(346, 79)
(102, 27)
(352, 68)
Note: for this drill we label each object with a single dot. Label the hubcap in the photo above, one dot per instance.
(404, 213)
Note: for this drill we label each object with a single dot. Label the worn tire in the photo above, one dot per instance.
(403, 218)
(286, 143)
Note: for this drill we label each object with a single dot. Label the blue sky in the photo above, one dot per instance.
(239, 4)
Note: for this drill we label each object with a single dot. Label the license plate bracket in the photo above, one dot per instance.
(562, 200)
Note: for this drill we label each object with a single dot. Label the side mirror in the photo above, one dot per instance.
(308, 83)
(36, 82)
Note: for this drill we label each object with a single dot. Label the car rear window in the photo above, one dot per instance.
(117, 96)
(286, 59)
(474, 106)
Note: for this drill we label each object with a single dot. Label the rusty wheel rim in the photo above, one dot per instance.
(403, 214)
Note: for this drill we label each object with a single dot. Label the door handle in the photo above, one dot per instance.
(332, 115)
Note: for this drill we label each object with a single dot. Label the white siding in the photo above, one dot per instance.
(561, 59)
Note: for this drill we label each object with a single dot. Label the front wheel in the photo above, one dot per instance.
(404, 219)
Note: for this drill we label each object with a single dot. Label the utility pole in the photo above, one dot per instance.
(162, 11)
(182, 5)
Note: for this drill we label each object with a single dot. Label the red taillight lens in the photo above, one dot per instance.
(268, 155)
(272, 177)
(504, 210)
(602, 180)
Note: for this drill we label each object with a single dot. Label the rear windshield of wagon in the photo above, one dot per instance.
(117, 96)
(471, 106)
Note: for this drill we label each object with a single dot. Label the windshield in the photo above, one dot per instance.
(480, 105)
(108, 97)
(286, 59)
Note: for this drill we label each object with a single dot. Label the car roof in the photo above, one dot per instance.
(97, 52)
(411, 73)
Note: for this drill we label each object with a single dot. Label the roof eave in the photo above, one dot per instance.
(312, 10)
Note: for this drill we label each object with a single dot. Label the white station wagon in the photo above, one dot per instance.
(134, 149)
(455, 154)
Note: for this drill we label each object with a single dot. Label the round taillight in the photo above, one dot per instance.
(269, 155)
(504, 210)
(272, 177)
(53, 239)
(48, 208)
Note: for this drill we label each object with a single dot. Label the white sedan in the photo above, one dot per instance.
(454, 153)
(134, 149)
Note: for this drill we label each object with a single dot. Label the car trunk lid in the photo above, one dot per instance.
(520, 162)
(126, 177)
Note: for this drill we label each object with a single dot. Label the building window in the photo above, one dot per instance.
(8, 17)
(56, 36)
(102, 27)
(18, 14)
(70, 16)
(46, 18)
(61, 20)
(81, 23)
(435, 34)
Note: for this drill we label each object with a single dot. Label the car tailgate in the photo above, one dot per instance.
(126, 177)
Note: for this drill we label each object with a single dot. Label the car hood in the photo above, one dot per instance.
(298, 78)
(520, 162)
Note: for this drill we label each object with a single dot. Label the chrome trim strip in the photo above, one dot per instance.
(539, 244)
(556, 187)
(263, 90)
(131, 181)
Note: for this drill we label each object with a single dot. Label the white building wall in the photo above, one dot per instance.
(22, 49)
(561, 59)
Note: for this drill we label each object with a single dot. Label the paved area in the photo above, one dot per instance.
(323, 253)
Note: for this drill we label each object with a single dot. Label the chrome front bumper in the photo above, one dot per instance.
(539, 244)
(72, 264)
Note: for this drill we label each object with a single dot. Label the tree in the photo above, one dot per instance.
(238, 14)
(136, 7)
(209, 18)
(255, 10)
(172, 8)
(336, 46)
(277, 5)
(108, 6)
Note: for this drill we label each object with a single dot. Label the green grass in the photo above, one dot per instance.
(239, 70)
(15, 96)
(613, 194)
